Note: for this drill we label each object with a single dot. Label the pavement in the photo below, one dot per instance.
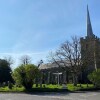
(51, 96)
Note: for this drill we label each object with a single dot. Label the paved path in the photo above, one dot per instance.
(53, 96)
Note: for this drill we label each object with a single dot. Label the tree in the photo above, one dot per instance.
(5, 71)
(25, 75)
(25, 59)
(94, 77)
(9, 59)
(69, 56)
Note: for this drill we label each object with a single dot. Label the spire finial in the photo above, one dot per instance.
(89, 26)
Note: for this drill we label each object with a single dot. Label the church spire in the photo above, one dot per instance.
(89, 26)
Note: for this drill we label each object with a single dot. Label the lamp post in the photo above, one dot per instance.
(41, 61)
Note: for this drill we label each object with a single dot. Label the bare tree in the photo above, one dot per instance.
(69, 56)
(25, 59)
(9, 59)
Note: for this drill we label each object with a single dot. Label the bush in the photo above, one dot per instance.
(25, 74)
(94, 77)
(10, 85)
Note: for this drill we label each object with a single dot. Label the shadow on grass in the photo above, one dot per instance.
(46, 90)
(90, 89)
(56, 91)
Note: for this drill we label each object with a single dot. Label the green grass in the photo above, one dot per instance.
(14, 89)
(49, 88)
(71, 87)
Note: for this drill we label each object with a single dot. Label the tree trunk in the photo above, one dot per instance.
(75, 79)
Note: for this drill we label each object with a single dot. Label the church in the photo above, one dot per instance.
(90, 55)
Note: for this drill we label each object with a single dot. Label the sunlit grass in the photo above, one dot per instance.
(14, 89)
(50, 87)
(71, 87)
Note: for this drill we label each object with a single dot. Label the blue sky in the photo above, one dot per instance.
(36, 27)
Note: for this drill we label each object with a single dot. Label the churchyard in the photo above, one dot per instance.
(50, 88)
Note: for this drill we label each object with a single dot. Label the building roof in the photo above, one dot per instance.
(55, 65)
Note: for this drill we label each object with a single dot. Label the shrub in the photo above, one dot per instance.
(94, 77)
(25, 74)
(10, 85)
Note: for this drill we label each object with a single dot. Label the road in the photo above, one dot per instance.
(51, 96)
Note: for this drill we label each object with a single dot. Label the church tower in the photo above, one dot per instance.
(89, 26)
(90, 48)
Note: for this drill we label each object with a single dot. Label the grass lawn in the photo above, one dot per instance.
(78, 87)
(70, 87)
(14, 89)
(49, 88)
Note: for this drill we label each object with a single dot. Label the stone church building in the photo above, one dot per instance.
(90, 54)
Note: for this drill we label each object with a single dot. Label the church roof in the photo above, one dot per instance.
(55, 65)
